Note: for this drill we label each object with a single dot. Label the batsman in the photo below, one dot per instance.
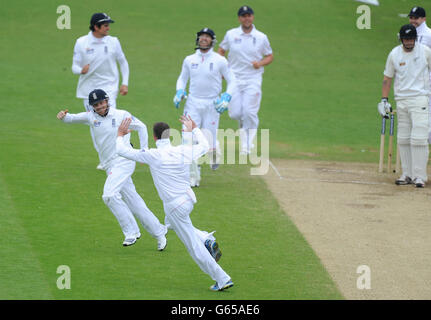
(409, 64)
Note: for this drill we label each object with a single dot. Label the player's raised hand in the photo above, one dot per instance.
(123, 129)
(62, 114)
(188, 123)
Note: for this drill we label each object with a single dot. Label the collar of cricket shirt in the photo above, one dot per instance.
(204, 54)
(93, 39)
(161, 143)
(251, 33)
(422, 28)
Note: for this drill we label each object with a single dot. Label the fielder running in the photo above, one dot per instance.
(249, 51)
(205, 69)
(169, 168)
(119, 192)
(95, 58)
(417, 17)
(409, 64)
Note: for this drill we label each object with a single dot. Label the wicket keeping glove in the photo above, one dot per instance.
(384, 108)
(180, 95)
(222, 102)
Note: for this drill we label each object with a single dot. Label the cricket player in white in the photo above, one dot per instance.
(119, 192)
(205, 69)
(249, 51)
(417, 17)
(95, 58)
(169, 168)
(409, 64)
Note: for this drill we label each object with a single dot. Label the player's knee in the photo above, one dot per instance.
(419, 135)
(110, 197)
(403, 140)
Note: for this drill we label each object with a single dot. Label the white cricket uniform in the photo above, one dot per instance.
(119, 192)
(205, 71)
(169, 167)
(102, 54)
(244, 48)
(410, 71)
(424, 37)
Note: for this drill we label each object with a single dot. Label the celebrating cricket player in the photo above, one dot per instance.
(205, 69)
(119, 192)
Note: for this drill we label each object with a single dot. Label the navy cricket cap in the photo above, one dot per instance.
(100, 18)
(245, 10)
(417, 12)
(96, 96)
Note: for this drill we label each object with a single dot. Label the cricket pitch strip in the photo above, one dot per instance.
(353, 216)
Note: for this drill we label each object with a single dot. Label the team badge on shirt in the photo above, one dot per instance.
(106, 49)
(96, 123)
(195, 65)
(211, 66)
(237, 40)
(89, 50)
(402, 64)
(113, 123)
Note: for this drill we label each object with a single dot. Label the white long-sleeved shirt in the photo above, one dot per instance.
(105, 131)
(169, 165)
(102, 54)
(424, 34)
(206, 71)
(244, 48)
(411, 71)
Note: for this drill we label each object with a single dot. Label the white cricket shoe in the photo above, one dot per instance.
(419, 183)
(162, 241)
(129, 241)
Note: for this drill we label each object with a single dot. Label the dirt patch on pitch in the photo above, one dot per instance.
(353, 216)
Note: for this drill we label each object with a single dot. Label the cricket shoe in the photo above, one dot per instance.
(162, 242)
(216, 287)
(194, 182)
(213, 249)
(403, 180)
(129, 241)
(419, 183)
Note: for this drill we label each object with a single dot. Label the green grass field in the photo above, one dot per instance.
(319, 96)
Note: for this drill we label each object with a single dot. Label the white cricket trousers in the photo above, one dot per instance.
(204, 114)
(120, 195)
(412, 136)
(244, 107)
(178, 217)
(88, 108)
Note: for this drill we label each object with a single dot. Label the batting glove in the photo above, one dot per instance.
(180, 95)
(384, 108)
(222, 102)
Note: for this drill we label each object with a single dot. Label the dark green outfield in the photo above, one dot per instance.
(319, 96)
